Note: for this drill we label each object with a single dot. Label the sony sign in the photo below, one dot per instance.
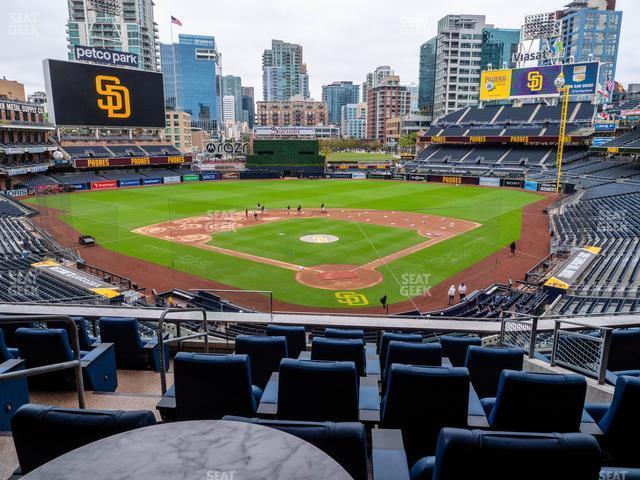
(105, 56)
(228, 148)
(523, 57)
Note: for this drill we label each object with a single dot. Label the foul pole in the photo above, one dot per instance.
(564, 91)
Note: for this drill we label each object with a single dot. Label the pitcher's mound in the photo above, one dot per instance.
(339, 277)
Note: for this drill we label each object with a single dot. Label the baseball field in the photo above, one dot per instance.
(372, 238)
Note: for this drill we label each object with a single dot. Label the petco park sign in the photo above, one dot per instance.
(105, 56)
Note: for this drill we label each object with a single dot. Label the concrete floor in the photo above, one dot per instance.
(137, 390)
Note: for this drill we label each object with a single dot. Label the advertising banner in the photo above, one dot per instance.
(495, 85)
(510, 182)
(605, 127)
(581, 78)
(547, 187)
(78, 186)
(209, 176)
(105, 56)
(171, 179)
(127, 161)
(129, 183)
(151, 181)
(359, 175)
(529, 185)
(95, 95)
(20, 192)
(599, 141)
(104, 185)
(489, 182)
(190, 178)
(535, 81)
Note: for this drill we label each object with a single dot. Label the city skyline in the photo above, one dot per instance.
(241, 56)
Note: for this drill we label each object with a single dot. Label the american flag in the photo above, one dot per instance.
(176, 21)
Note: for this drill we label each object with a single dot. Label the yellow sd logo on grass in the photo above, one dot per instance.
(115, 97)
(352, 299)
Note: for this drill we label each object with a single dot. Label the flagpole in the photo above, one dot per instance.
(175, 61)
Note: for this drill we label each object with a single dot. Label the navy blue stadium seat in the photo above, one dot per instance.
(85, 340)
(13, 393)
(296, 338)
(422, 400)
(624, 353)
(264, 354)
(398, 337)
(412, 353)
(345, 442)
(485, 365)
(132, 351)
(42, 433)
(344, 333)
(340, 350)
(455, 347)
(318, 391)
(620, 423)
(480, 455)
(39, 346)
(9, 331)
(539, 402)
(210, 386)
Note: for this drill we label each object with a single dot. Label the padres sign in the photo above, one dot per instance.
(114, 98)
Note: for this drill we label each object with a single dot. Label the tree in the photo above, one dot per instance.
(408, 141)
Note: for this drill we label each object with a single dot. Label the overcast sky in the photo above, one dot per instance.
(342, 39)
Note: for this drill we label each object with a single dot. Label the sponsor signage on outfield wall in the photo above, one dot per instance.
(510, 182)
(541, 81)
(547, 187)
(19, 192)
(171, 179)
(190, 178)
(105, 56)
(100, 96)
(605, 127)
(151, 181)
(229, 148)
(104, 185)
(359, 176)
(78, 186)
(128, 161)
(210, 176)
(489, 182)
(129, 183)
(599, 141)
(529, 185)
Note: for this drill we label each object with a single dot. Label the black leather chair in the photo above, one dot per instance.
(13, 393)
(481, 455)
(412, 353)
(354, 334)
(210, 386)
(86, 341)
(264, 354)
(485, 365)
(397, 337)
(340, 350)
(624, 354)
(318, 391)
(42, 433)
(620, 423)
(422, 400)
(537, 402)
(454, 347)
(45, 346)
(132, 351)
(296, 338)
(345, 442)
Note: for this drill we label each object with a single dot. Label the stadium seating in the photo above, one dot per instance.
(340, 350)
(196, 394)
(398, 337)
(624, 353)
(345, 442)
(132, 351)
(42, 433)
(344, 333)
(13, 393)
(85, 340)
(40, 347)
(455, 347)
(485, 365)
(264, 355)
(620, 423)
(411, 353)
(467, 454)
(520, 404)
(296, 338)
(420, 401)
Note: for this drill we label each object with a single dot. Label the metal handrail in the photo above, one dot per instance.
(238, 291)
(531, 348)
(162, 340)
(54, 367)
(605, 340)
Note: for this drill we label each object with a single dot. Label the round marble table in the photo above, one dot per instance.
(202, 450)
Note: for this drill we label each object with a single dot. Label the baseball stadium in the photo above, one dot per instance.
(277, 307)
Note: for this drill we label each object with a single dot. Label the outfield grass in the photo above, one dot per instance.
(110, 216)
(358, 157)
(358, 243)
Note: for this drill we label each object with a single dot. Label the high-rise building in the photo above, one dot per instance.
(498, 47)
(189, 71)
(338, 94)
(297, 112)
(373, 79)
(248, 107)
(427, 75)
(414, 91)
(178, 130)
(229, 108)
(125, 26)
(232, 85)
(385, 101)
(591, 32)
(284, 74)
(458, 61)
(353, 123)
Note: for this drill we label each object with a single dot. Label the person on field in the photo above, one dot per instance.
(322, 209)
(452, 295)
(246, 213)
(262, 209)
(462, 292)
(288, 209)
(512, 247)
(255, 215)
(299, 209)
